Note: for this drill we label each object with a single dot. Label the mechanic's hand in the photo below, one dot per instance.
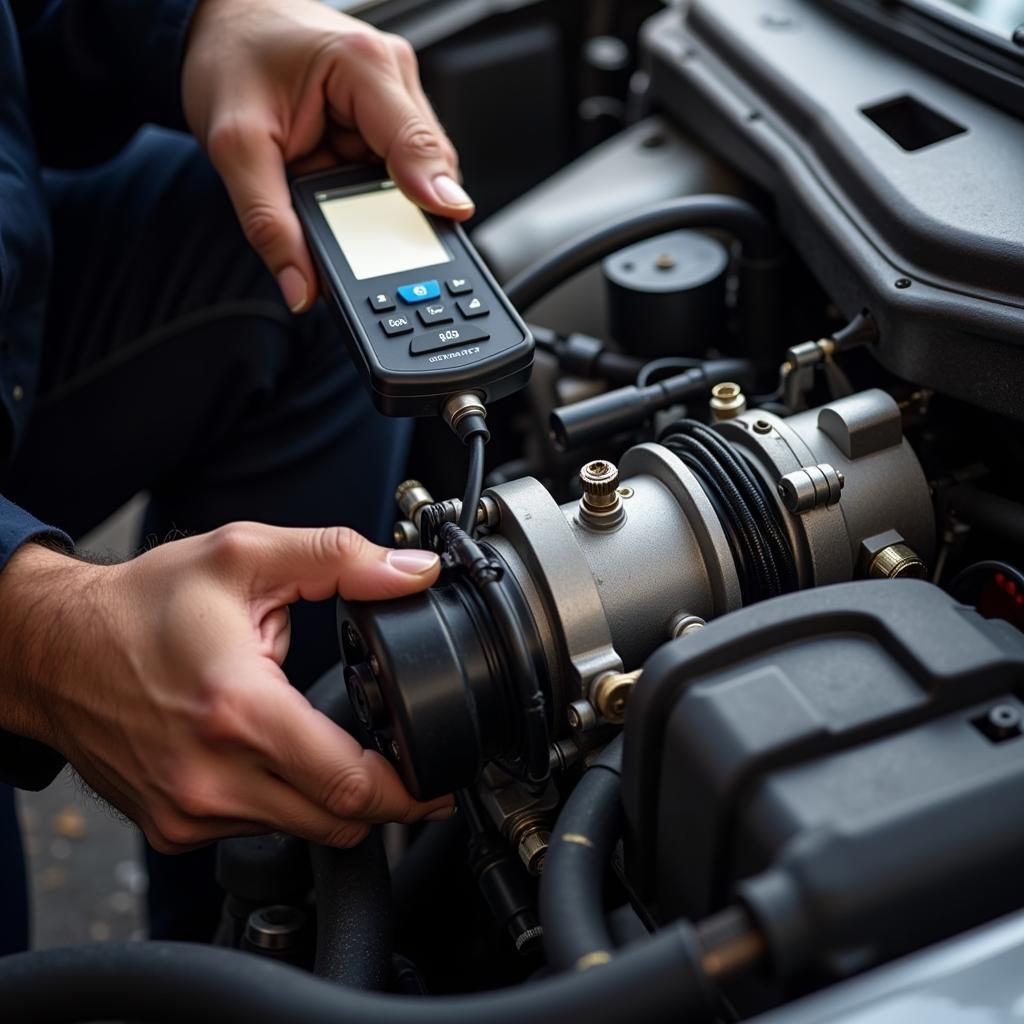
(274, 83)
(160, 681)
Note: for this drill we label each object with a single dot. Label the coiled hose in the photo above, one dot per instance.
(752, 521)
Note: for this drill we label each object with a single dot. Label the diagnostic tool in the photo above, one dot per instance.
(425, 318)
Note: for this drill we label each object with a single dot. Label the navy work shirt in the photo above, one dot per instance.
(77, 78)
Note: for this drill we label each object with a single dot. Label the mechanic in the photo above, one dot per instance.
(144, 346)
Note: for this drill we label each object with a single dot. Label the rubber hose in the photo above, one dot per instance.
(658, 981)
(430, 853)
(576, 934)
(354, 933)
(736, 216)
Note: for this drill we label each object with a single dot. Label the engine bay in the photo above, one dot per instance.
(726, 672)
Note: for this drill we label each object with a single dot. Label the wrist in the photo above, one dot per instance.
(51, 613)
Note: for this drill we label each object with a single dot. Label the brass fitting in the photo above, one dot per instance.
(727, 401)
(601, 505)
(611, 693)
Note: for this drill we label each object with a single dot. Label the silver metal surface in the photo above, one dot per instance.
(605, 600)
(811, 487)
(274, 927)
(972, 979)
(539, 543)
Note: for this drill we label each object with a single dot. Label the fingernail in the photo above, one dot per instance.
(450, 192)
(445, 814)
(294, 288)
(413, 562)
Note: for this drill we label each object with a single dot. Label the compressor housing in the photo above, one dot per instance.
(683, 534)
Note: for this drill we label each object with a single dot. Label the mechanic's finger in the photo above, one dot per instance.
(349, 146)
(316, 564)
(321, 159)
(308, 751)
(411, 78)
(409, 139)
(253, 168)
(284, 809)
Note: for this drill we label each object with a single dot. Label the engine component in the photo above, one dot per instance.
(847, 763)
(431, 675)
(727, 401)
(868, 201)
(658, 285)
(626, 408)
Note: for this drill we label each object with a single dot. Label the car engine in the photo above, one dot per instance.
(728, 673)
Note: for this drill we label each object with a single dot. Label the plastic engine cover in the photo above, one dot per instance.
(849, 761)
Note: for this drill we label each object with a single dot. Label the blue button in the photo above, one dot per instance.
(422, 291)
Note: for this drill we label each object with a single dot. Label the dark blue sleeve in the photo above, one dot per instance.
(17, 527)
(25, 763)
(98, 69)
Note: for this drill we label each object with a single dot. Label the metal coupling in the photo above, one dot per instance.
(532, 847)
(412, 498)
(582, 716)
(601, 506)
(405, 534)
(275, 928)
(685, 624)
(897, 562)
(811, 487)
(727, 401)
(611, 694)
(458, 407)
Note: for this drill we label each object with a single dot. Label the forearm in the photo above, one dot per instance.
(46, 598)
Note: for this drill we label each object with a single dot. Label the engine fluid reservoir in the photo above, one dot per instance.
(667, 295)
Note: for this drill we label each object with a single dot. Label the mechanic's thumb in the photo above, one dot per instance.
(252, 166)
(317, 564)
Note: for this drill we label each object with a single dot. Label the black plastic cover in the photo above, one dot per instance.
(921, 225)
(844, 759)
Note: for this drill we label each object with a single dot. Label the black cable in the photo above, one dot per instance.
(764, 558)
(474, 483)
(670, 364)
(728, 213)
(576, 934)
(660, 979)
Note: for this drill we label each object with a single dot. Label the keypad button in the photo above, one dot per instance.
(400, 323)
(436, 313)
(472, 307)
(421, 291)
(381, 303)
(459, 285)
(446, 337)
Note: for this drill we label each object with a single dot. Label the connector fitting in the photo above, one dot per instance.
(727, 401)
(600, 507)
(465, 414)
